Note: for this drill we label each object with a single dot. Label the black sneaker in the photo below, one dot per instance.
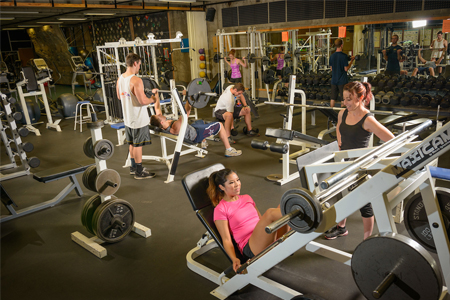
(335, 232)
(252, 133)
(144, 174)
(132, 170)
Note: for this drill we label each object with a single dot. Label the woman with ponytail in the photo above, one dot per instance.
(354, 128)
(236, 216)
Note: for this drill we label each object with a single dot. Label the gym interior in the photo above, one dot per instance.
(73, 218)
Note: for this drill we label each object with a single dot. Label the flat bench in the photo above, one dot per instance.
(69, 170)
(440, 173)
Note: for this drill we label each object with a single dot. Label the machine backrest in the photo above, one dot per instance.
(32, 85)
(195, 185)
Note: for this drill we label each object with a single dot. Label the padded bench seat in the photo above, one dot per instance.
(440, 173)
(60, 172)
(158, 131)
(118, 126)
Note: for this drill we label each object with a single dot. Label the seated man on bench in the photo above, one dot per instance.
(428, 67)
(226, 110)
(196, 132)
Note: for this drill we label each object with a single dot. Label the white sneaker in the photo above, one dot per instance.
(232, 152)
(204, 144)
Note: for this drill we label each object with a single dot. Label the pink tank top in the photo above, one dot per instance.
(280, 61)
(235, 73)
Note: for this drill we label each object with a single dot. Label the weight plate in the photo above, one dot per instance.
(416, 220)
(89, 176)
(265, 61)
(103, 149)
(113, 220)
(304, 200)
(107, 182)
(88, 148)
(88, 211)
(34, 162)
(193, 92)
(416, 272)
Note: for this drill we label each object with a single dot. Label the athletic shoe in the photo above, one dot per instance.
(132, 170)
(144, 174)
(231, 141)
(232, 152)
(252, 133)
(204, 144)
(335, 232)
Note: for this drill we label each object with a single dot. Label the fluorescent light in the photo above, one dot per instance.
(71, 19)
(180, 1)
(19, 12)
(420, 23)
(99, 14)
(6, 19)
(29, 26)
(49, 22)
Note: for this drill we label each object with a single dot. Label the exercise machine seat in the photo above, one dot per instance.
(60, 172)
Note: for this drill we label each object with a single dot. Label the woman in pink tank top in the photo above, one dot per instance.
(236, 217)
(235, 63)
(279, 57)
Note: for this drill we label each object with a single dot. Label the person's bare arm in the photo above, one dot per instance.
(137, 87)
(419, 55)
(338, 133)
(244, 64)
(432, 44)
(372, 125)
(157, 106)
(349, 64)
(385, 55)
(117, 89)
(222, 227)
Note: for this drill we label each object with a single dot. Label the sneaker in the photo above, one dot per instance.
(231, 141)
(204, 144)
(252, 133)
(144, 174)
(232, 152)
(132, 170)
(335, 232)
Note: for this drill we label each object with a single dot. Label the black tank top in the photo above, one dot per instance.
(354, 136)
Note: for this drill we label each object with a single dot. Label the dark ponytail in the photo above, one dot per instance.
(215, 179)
(360, 89)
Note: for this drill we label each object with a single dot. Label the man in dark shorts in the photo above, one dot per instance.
(196, 133)
(428, 67)
(226, 110)
(339, 66)
(130, 90)
(393, 56)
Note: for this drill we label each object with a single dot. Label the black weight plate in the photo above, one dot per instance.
(88, 148)
(194, 88)
(418, 276)
(23, 131)
(105, 176)
(113, 220)
(34, 162)
(27, 147)
(305, 201)
(88, 211)
(103, 149)
(89, 176)
(416, 220)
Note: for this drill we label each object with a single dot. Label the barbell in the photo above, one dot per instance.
(198, 91)
(379, 112)
(251, 57)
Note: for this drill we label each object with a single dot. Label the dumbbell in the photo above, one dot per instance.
(23, 131)
(428, 84)
(33, 162)
(245, 130)
(436, 101)
(426, 99)
(386, 99)
(27, 147)
(418, 85)
(17, 115)
(381, 83)
(415, 100)
(445, 102)
(274, 147)
(405, 101)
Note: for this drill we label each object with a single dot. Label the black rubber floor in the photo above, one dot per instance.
(40, 261)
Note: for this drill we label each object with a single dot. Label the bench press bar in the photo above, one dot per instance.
(378, 112)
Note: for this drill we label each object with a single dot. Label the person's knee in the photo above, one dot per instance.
(227, 116)
(271, 213)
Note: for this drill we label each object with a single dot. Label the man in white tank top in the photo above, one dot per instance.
(439, 47)
(130, 90)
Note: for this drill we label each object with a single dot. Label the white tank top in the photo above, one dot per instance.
(134, 114)
(437, 45)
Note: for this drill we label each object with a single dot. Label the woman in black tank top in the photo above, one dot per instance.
(354, 128)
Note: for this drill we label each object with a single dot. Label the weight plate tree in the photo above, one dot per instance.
(391, 266)
(416, 220)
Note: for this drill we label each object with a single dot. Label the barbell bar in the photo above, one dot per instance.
(378, 112)
(251, 57)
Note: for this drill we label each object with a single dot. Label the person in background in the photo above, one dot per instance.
(439, 47)
(339, 66)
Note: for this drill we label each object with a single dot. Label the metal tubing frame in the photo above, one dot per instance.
(375, 192)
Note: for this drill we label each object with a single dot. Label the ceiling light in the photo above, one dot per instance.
(420, 23)
(49, 22)
(6, 19)
(29, 26)
(19, 12)
(71, 19)
(99, 14)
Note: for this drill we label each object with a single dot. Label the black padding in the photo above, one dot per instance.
(195, 185)
(32, 84)
(159, 131)
(60, 172)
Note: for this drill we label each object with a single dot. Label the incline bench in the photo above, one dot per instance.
(69, 170)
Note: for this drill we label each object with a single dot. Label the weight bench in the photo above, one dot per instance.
(69, 170)
(440, 173)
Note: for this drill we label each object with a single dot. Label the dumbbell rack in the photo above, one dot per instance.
(7, 101)
(93, 244)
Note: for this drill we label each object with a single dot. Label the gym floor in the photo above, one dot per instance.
(40, 261)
